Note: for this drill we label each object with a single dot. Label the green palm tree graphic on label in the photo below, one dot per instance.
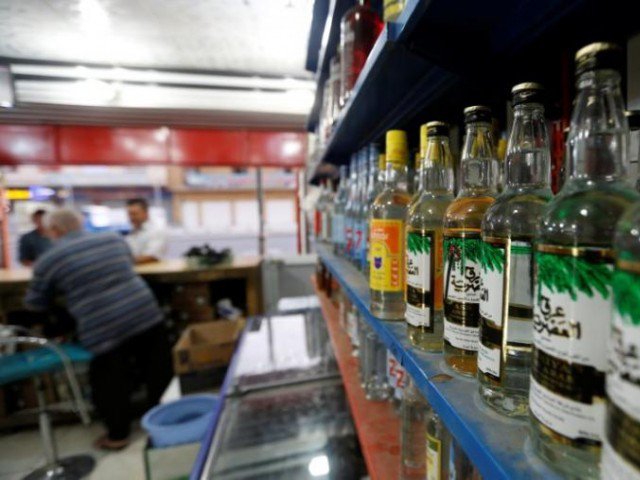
(417, 244)
(626, 287)
(568, 274)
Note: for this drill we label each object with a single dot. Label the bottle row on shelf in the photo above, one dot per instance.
(537, 296)
(427, 449)
(360, 27)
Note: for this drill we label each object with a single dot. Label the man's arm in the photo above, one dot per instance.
(41, 291)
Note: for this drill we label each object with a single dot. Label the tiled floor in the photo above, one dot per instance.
(22, 452)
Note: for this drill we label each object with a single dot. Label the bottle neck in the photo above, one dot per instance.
(436, 167)
(374, 175)
(599, 134)
(528, 159)
(396, 176)
(478, 165)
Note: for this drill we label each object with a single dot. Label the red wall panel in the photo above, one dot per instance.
(190, 146)
(85, 145)
(112, 146)
(283, 149)
(27, 144)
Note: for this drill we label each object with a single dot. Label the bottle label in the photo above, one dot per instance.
(571, 321)
(386, 273)
(338, 227)
(505, 305)
(422, 278)
(613, 466)
(364, 250)
(396, 375)
(434, 458)
(357, 240)
(348, 233)
(623, 377)
(462, 290)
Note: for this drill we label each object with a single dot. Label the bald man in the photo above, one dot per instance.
(117, 316)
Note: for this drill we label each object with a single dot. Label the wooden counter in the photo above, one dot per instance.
(168, 271)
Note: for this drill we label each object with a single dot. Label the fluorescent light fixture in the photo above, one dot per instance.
(319, 466)
(6, 88)
(118, 74)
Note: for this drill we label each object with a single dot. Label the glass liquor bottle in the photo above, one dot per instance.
(462, 243)
(573, 261)
(373, 189)
(386, 231)
(359, 30)
(337, 219)
(506, 261)
(325, 212)
(438, 447)
(360, 221)
(413, 430)
(348, 211)
(621, 442)
(424, 314)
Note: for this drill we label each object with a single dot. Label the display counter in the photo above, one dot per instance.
(13, 282)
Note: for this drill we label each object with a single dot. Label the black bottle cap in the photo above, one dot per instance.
(477, 113)
(437, 129)
(528, 92)
(633, 117)
(599, 56)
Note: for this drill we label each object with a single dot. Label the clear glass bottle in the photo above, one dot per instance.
(318, 215)
(337, 219)
(462, 242)
(506, 261)
(325, 212)
(438, 442)
(621, 442)
(359, 30)
(573, 261)
(424, 315)
(360, 221)
(377, 387)
(413, 430)
(349, 217)
(373, 189)
(334, 79)
(386, 231)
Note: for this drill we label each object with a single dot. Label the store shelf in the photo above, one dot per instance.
(499, 447)
(377, 425)
(433, 46)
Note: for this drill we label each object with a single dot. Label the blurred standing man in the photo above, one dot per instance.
(34, 243)
(147, 242)
(117, 316)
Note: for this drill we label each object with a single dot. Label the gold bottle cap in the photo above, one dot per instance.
(423, 139)
(397, 151)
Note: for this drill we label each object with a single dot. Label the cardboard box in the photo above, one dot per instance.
(206, 345)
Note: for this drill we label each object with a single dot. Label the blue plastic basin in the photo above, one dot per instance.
(182, 421)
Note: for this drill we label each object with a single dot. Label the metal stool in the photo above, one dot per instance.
(49, 358)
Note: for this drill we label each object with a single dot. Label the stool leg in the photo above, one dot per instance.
(46, 432)
(69, 468)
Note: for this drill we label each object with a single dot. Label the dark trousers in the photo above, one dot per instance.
(111, 377)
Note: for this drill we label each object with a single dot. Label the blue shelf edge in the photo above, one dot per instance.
(497, 446)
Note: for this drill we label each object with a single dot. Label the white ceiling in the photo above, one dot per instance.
(169, 62)
(267, 37)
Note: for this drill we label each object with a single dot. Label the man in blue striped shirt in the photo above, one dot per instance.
(117, 316)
